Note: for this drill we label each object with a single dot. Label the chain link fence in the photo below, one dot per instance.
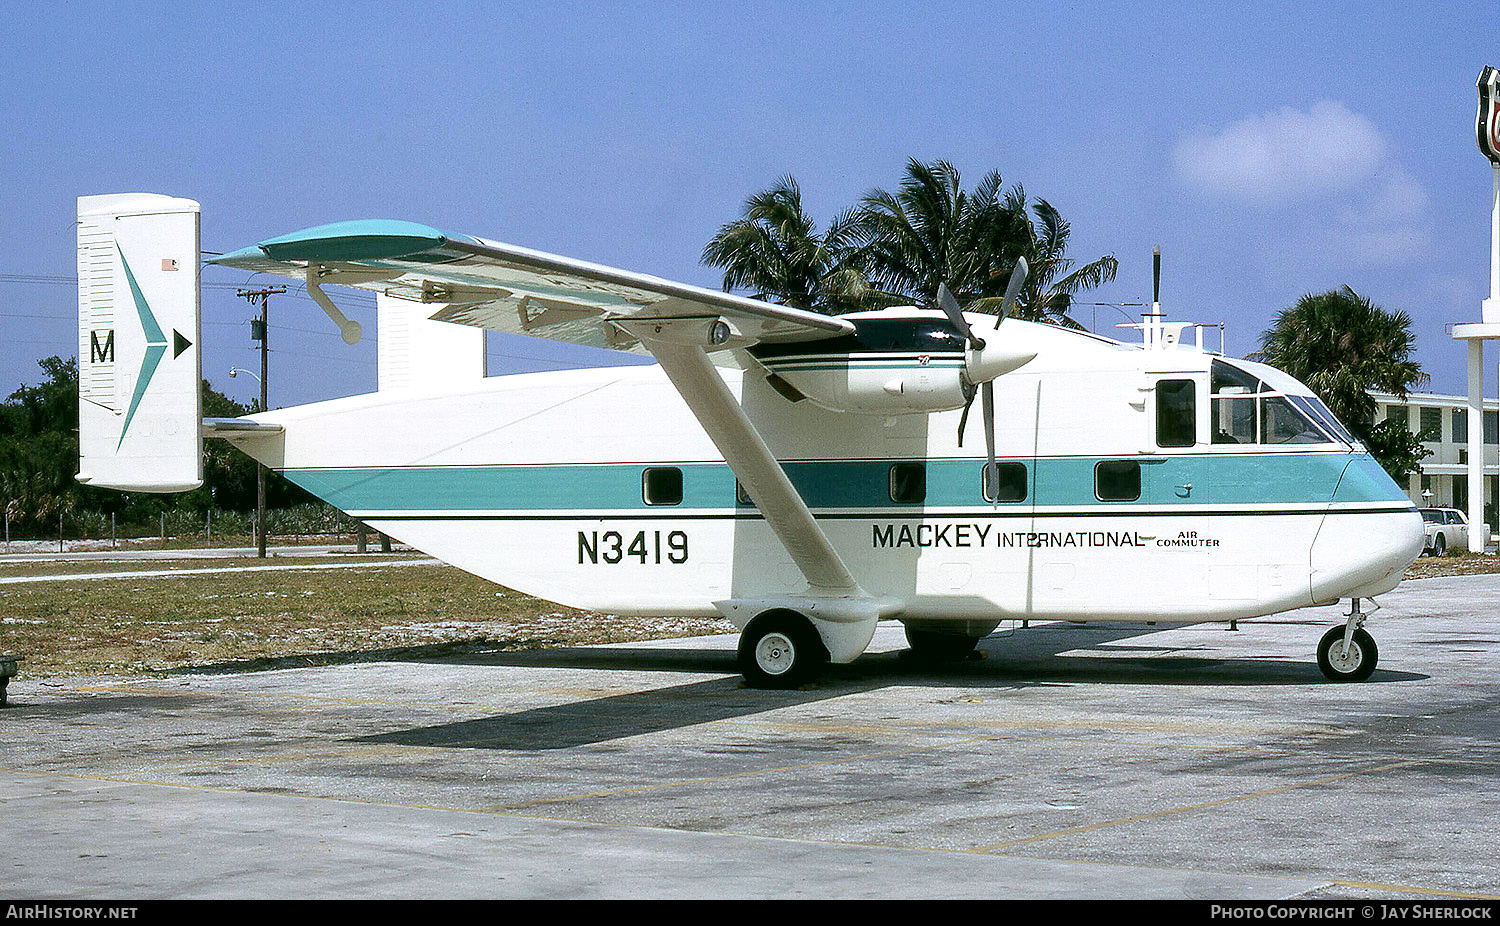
(185, 528)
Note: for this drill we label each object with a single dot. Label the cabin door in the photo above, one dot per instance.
(1180, 487)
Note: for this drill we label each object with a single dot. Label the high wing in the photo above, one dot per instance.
(517, 290)
(502, 287)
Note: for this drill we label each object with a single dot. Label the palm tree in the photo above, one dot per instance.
(1052, 284)
(930, 231)
(775, 251)
(898, 247)
(1342, 346)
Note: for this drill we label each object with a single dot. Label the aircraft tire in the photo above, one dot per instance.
(937, 646)
(780, 649)
(1360, 662)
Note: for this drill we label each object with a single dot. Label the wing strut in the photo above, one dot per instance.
(678, 345)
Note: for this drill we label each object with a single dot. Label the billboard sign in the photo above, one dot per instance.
(1487, 127)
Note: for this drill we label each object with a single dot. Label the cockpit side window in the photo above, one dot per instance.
(1231, 380)
(1233, 405)
(1234, 420)
(1246, 410)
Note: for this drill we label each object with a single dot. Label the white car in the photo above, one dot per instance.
(1447, 530)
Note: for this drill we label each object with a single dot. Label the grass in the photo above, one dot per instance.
(248, 620)
(104, 564)
(1458, 564)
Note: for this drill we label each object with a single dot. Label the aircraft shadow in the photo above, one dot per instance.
(1027, 659)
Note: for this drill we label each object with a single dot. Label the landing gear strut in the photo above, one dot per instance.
(1348, 653)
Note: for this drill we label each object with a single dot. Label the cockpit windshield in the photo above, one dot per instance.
(1320, 413)
(1247, 410)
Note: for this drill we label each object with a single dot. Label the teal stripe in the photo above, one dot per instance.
(1268, 479)
(1366, 479)
(156, 346)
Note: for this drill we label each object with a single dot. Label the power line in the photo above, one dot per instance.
(366, 300)
(259, 332)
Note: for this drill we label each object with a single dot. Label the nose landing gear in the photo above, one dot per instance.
(1348, 653)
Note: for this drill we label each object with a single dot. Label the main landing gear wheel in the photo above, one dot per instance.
(1356, 664)
(937, 646)
(781, 649)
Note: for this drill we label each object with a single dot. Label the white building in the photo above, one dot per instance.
(1445, 473)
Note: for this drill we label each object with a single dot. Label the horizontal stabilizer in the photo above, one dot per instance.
(238, 427)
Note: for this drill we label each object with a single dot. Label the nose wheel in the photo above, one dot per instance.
(1348, 653)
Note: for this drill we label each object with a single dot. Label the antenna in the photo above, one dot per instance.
(1156, 279)
(1151, 329)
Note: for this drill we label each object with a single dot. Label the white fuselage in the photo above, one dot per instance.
(539, 482)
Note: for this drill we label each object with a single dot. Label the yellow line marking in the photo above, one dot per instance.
(1190, 808)
(1374, 886)
(636, 789)
(259, 695)
(1406, 889)
(284, 756)
(247, 792)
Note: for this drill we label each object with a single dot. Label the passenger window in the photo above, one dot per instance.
(1003, 482)
(1117, 481)
(909, 483)
(1176, 413)
(662, 485)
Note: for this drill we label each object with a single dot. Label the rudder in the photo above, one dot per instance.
(140, 404)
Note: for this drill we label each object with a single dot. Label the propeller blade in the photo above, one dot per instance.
(963, 419)
(1013, 289)
(956, 316)
(987, 396)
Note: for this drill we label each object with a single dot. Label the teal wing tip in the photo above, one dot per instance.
(240, 258)
(360, 240)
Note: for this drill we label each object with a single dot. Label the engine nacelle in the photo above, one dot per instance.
(909, 384)
(897, 362)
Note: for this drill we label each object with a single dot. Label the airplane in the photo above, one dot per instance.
(804, 476)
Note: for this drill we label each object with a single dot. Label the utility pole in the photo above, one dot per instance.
(260, 331)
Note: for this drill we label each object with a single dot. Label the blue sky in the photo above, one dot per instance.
(1270, 149)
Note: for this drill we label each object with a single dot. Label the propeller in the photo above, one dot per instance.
(979, 370)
